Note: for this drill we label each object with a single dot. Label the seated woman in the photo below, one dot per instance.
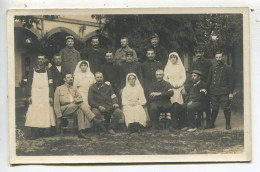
(83, 79)
(132, 100)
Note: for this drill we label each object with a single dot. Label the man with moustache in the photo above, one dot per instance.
(160, 51)
(221, 87)
(56, 71)
(160, 93)
(70, 56)
(195, 102)
(111, 73)
(68, 101)
(120, 55)
(94, 55)
(203, 65)
(102, 99)
(130, 66)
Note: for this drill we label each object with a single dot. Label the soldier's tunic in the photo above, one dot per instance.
(203, 65)
(56, 76)
(111, 73)
(161, 103)
(95, 57)
(161, 54)
(64, 105)
(130, 67)
(220, 84)
(40, 88)
(70, 58)
(103, 95)
(120, 55)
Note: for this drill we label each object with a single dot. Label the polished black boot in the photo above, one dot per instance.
(214, 115)
(227, 114)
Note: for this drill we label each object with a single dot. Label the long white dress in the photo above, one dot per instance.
(40, 113)
(131, 94)
(175, 74)
(83, 81)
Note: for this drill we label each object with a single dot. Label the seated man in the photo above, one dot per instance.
(68, 101)
(103, 100)
(160, 93)
(196, 98)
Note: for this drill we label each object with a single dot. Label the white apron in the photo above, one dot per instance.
(40, 113)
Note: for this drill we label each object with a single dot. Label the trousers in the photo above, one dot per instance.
(80, 110)
(116, 115)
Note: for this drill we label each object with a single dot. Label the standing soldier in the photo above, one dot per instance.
(160, 51)
(149, 67)
(40, 93)
(221, 87)
(203, 65)
(56, 71)
(111, 73)
(70, 56)
(130, 66)
(94, 55)
(120, 55)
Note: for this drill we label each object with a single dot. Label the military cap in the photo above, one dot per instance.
(196, 72)
(155, 35)
(69, 37)
(129, 53)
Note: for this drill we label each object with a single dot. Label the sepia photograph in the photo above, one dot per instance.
(129, 85)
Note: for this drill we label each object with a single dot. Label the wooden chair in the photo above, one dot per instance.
(68, 127)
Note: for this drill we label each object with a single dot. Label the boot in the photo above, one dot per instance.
(214, 115)
(227, 114)
(81, 135)
(34, 133)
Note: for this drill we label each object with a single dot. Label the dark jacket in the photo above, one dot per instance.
(203, 65)
(95, 58)
(163, 87)
(70, 59)
(30, 81)
(220, 80)
(56, 76)
(131, 67)
(196, 92)
(111, 73)
(148, 69)
(102, 95)
(161, 54)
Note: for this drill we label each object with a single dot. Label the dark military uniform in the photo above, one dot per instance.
(103, 95)
(161, 54)
(111, 73)
(95, 57)
(220, 84)
(203, 65)
(160, 103)
(197, 95)
(130, 67)
(56, 76)
(70, 58)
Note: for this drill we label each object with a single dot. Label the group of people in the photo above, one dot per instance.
(97, 86)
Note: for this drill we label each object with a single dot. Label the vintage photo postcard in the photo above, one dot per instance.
(129, 85)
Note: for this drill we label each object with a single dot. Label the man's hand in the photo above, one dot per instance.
(115, 105)
(230, 96)
(29, 100)
(51, 101)
(101, 108)
(189, 103)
